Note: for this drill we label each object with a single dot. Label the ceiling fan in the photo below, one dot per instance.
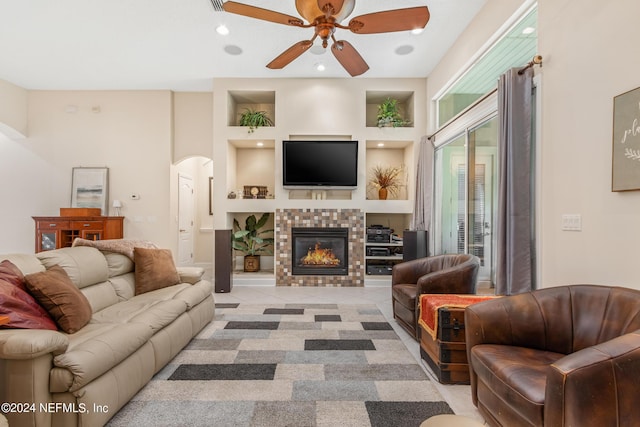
(325, 16)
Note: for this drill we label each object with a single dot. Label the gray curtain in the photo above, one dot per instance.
(424, 184)
(515, 255)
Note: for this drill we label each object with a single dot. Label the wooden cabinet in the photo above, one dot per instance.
(54, 232)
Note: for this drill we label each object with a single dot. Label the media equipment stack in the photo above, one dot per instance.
(383, 250)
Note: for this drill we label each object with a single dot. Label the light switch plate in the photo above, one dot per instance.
(572, 222)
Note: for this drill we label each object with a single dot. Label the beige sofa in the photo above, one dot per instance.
(84, 378)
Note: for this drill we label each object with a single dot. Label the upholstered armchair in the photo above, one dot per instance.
(441, 274)
(559, 357)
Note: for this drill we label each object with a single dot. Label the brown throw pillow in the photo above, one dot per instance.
(59, 296)
(24, 312)
(155, 269)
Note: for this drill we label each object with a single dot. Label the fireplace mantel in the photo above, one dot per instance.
(351, 219)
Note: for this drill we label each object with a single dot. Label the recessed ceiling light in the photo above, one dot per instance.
(529, 30)
(417, 31)
(232, 49)
(260, 144)
(404, 50)
(222, 30)
(380, 144)
(320, 67)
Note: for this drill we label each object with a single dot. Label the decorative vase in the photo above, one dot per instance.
(382, 194)
(251, 263)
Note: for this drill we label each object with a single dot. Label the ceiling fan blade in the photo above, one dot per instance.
(391, 20)
(349, 58)
(289, 55)
(335, 6)
(259, 13)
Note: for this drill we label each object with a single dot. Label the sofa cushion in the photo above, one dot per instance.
(118, 264)
(59, 296)
(27, 264)
(516, 373)
(94, 350)
(84, 265)
(23, 311)
(156, 313)
(155, 269)
(193, 295)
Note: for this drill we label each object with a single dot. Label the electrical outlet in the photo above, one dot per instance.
(572, 222)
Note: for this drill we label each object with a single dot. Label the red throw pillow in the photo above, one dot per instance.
(23, 310)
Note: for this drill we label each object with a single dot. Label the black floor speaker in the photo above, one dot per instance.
(415, 244)
(223, 261)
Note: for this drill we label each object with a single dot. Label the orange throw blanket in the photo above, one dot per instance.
(430, 303)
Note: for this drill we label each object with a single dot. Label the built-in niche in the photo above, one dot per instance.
(238, 101)
(251, 165)
(390, 154)
(405, 105)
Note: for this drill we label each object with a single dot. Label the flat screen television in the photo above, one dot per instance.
(324, 164)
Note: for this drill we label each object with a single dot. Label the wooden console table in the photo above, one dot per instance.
(55, 232)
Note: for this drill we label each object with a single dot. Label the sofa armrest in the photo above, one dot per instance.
(596, 386)
(190, 274)
(31, 343)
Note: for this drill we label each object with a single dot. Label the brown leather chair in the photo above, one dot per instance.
(441, 274)
(558, 357)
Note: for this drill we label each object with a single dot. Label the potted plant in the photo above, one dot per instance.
(251, 240)
(389, 114)
(386, 179)
(254, 119)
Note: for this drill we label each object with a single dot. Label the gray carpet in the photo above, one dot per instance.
(292, 365)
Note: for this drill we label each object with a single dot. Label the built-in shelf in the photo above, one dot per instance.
(239, 100)
(405, 105)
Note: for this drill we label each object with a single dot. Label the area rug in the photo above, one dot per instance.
(292, 365)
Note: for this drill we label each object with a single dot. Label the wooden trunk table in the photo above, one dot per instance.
(442, 339)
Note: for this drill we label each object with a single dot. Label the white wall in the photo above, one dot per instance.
(131, 135)
(589, 57)
(13, 110)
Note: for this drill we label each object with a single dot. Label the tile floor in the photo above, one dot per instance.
(457, 396)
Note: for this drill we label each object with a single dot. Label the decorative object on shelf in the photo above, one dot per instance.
(251, 240)
(386, 179)
(90, 188)
(117, 204)
(254, 119)
(231, 195)
(255, 192)
(389, 114)
(325, 16)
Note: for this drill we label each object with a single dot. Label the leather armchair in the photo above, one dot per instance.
(562, 356)
(441, 274)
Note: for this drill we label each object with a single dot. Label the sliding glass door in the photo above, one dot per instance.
(465, 203)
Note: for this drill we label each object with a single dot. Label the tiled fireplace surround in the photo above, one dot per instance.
(352, 219)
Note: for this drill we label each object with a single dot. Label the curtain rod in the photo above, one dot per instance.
(537, 60)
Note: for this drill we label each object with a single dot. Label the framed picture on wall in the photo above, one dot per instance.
(90, 188)
(626, 142)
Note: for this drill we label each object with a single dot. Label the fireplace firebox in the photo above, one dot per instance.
(320, 251)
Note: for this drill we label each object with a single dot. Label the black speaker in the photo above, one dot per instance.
(415, 244)
(223, 261)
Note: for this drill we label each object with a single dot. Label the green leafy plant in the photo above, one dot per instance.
(254, 119)
(251, 240)
(389, 114)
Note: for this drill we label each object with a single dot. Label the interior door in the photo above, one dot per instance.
(186, 197)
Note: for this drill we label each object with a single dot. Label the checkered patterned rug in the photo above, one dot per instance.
(290, 365)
